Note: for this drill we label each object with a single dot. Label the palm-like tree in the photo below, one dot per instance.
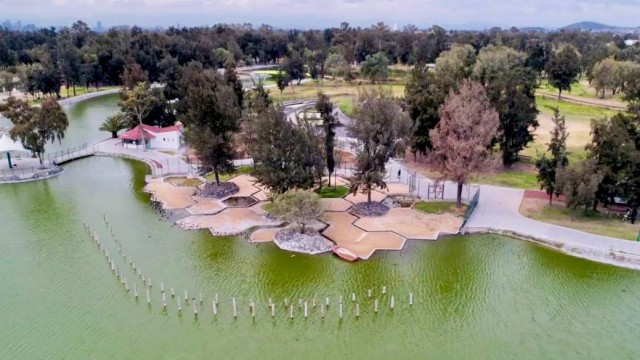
(115, 123)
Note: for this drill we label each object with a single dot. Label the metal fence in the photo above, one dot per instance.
(473, 204)
(62, 156)
(30, 173)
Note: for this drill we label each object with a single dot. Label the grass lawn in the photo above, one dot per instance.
(330, 192)
(510, 178)
(268, 207)
(244, 169)
(439, 207)
(345, 104)
(333, 88)
(594, 223)
(581, 89)
(183, 181)
(578, 120)
(571, 110)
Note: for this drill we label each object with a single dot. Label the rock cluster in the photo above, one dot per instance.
(371, 209)
(219, 191)
(311, 242)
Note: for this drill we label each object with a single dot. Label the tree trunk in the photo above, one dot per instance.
(551, 199)
(459, 195)
(369, 196)
(68, 91)
(74, 89)
(559, 94)
(215, 172)
(302, 228)
(328, 181)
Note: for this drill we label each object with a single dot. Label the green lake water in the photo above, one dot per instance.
(478, 297)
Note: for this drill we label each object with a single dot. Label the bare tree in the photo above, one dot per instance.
(462, 139)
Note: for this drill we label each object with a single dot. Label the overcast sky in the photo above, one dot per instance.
(324, 13)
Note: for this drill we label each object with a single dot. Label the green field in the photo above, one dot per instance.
(330, 192)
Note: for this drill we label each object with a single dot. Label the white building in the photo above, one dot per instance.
(168, 138)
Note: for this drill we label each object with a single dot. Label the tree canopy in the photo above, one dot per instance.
(35, 126)
(462, 139)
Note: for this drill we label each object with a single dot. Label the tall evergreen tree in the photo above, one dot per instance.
(325, 108)
(210, 113)
(557, 147)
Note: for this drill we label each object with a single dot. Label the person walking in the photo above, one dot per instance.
(634, 215)
(399, 173)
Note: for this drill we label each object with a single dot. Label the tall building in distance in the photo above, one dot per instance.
(99, 26)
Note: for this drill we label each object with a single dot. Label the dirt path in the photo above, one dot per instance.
(604, 103)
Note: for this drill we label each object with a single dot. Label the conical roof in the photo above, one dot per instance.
(8, 145)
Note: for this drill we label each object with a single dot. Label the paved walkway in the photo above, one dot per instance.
(498, 211)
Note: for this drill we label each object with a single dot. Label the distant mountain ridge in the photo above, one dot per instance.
(599, 27)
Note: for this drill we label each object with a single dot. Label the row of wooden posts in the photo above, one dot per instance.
(302, 305)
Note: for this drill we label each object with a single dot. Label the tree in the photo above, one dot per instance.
(510, 87)
(137, 103)
(615, 146)
(294, 67)
(133, 75)
(579, 183)
(538, 57)
(299, 207)
(563, 69)
(454, 65)
(284, 155)
(557, 147)
(603, 75)
(461, 142)
(115, 123)
(325, 108)
(282, 80)
(336, 65)
(377, 126)
(210, 112)
(423, 97)
(35, 126)
(376, 67)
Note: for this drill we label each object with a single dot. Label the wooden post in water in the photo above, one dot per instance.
(384, 289)
(162, 287)
(273, 310)
(305, 309)
(215, 308)
(200, 298)
(216, 298)
(235, 310)
(148, 298)
(179, 306)
(410, 299)
(375, 306)
(291, 311)
(369, 293)
(353, 296)
(195, 309)
(173, 294)
(164, 301)
(357, 310)
(340, 311)
(135, 291)
(186, 297)
(326, 301)
(392, 302)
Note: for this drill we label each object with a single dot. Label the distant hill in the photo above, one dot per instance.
(599, 27)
